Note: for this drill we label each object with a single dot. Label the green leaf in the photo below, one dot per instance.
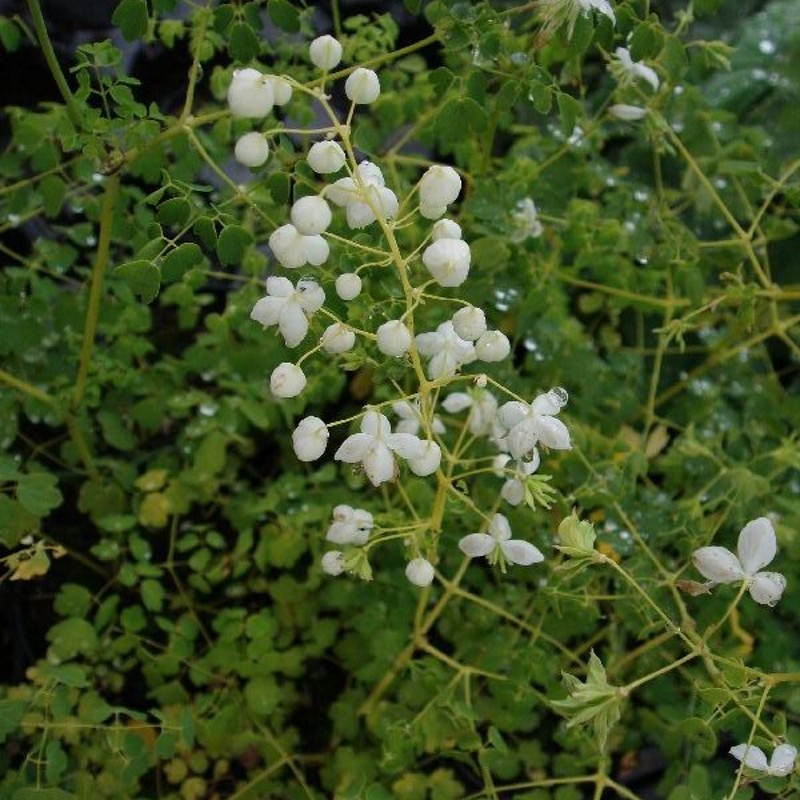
(38, 493)
(9, 35)
(143, 278)
(152, 594)
(11, 714)
(243, 44)
(180, 260)
(458, 119)
(569, 110)
(262, 694)
(232, 243)
(284, 15)
(131, 18)
(70, 638)
(73, 600)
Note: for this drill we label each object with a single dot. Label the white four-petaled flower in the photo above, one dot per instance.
(756, 548)
(497, 544)
(446, 349)
(289, 307)
(781, 763)
(636, 69)
(526, 426)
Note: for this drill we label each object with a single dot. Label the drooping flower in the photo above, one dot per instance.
(469, 323)
(350, 526)
(756, 547)
(326, 157)
(428, 461)
(447, 260)
(446, 349)
(375, 445)
(362, 86)
(310, 438)
(287, 380)
(525, 426)
(311, 215)
(438, 187)
(337, 338)
(419, 571)
(365, 197)
(348, 286)
(513, 491)
(781, 763)
(492, 346)
(293, 249)
(497, 545)
(325, 52)
(250, 94)
(333, 563)
(393, 338)
(289, 307)
(632, 70)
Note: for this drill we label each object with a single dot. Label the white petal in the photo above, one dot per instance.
(552, 433)
(341, 192)
(406, 445)
(278, 286)
(310, 295)
(293, 324)
(475, 545)
(375, 424)
(718, 564)
(767, 588)
(646, 74)
(751, 756)
(310, 438)
(341, 533)
(316, 250)
(757, 545)
(429, 344)
(522, 553)
(513, 492)
(782, 761)
(522, 438)
(499, 528)
(353, 448)
(419, 572)
(333, 562)
(549, 403)
(511, 413)
(378, 463)
(456, 401)
(267, 310)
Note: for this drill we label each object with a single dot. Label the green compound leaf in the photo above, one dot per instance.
(131, 17)
(143, 278)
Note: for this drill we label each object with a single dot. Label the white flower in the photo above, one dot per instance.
(393, 338)
(446, 349)
(525, 220)
(419, 571)
(469, 323)
(364, 197)
(498, 541)
(293, 249)
(627, 113)
(374, 445)
(483, 409)
(350, 526)
(362, 86)
(252, 149)
(447, 260)
(311, 215)
(287, 380)
(310, 438)
(781, 763)
(525, 425)
(492, 346)
(439, 186)
(337, 338)
(756, 548)
(289, 307)
(603, 6)
(411, 418)
(326, 157)
(325, 52)
(446, 229)
(348, 286)
(250, 94)
(513, 491)
(333, 562)
(636, 69)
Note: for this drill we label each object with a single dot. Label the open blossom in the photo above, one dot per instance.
(446, 349)
(350, 526)
(634, 70)
(756, 548)
(364, 197)
(374, 447)
(326, 157)
(498, 542)
(483, 409)
(289, 307)
(294, 249)
(526, 425)
(781, 763)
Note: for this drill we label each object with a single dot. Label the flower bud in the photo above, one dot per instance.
(362, 86)
(428, 462)
(316, 250)
(492, 346)
(281, 89)
(419, 571)
(325, 52)
(627, 113)
(338, 338)
(348, 286)
(333, 562)
(341, 192)
(310, 438)
(326, 157)
(394, 338)
(311, 215)
(469, 323)
(250, 94)
(439, 186)
(287, 380)
(252, 149)
(447, 261)
(432, 212)
(446, 229)
(288, 246)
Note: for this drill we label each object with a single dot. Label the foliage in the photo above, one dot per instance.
(169, 630)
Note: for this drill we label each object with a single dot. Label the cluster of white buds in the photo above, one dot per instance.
(418, 441)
